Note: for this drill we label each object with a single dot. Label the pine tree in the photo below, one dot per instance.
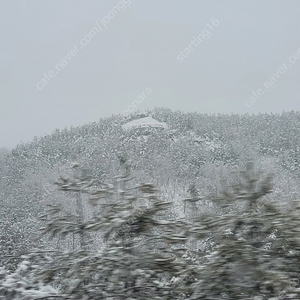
(256, 252)
(136, 258)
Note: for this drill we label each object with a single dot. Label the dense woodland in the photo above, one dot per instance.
(205, 209)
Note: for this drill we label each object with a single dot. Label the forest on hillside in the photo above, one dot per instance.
(206, 208)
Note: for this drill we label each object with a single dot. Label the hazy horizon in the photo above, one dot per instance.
(66, 63)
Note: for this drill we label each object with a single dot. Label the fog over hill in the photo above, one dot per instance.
(192, 148)
(72, 62)
(149, 150)
(183, 154)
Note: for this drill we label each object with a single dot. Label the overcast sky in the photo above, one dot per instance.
(70, 62)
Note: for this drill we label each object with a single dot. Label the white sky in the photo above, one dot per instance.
(138, 48)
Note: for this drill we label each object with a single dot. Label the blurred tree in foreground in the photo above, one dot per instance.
(254, 251)
(134, 259)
